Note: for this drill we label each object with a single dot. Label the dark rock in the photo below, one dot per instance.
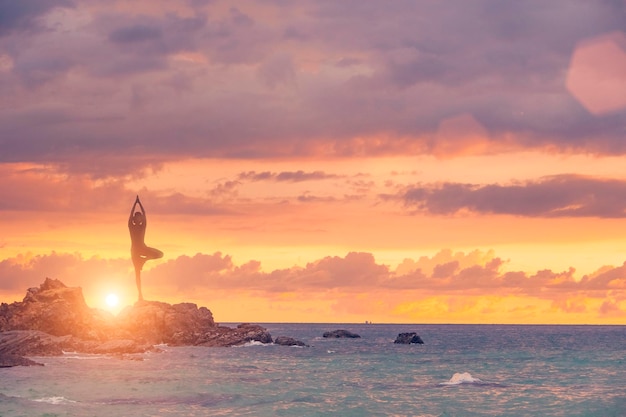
(32, 343)
(408, 338)
(7, 361)
(288, 341)
(341, 334)
(227, 336)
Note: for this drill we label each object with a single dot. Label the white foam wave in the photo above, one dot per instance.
(54, 400)
(461, 378)
(255, 343)
(74, 355)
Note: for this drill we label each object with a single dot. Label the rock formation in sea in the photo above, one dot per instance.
(408, 338)
(341, 334)
(289, 341)
(53, 318)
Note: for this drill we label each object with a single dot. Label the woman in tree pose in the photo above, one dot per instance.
(140, 253)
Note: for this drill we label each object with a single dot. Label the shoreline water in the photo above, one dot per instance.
(461, 370)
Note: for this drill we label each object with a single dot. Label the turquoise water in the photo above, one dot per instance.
(500, 371)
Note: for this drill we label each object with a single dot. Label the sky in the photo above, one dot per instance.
(420, 161)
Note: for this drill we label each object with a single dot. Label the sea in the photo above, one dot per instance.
(460, 370)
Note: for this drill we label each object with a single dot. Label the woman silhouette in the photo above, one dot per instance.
(139, 252)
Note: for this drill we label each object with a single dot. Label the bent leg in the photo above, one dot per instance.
(151, 253)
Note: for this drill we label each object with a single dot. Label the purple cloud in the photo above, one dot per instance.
(23, 15)
(340, 79)
(286, 176)
(135, 34)
(556, 196)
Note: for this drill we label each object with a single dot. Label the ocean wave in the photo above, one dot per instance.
(86, 356)
(465, 378)
(462, 378)
(254, 343)
(54, 400)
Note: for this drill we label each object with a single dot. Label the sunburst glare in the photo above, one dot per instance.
(112, 300)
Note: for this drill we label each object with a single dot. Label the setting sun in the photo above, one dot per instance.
(112, 300)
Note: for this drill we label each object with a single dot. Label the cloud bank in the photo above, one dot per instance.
(451, 275)
(166, 80)
(556, 196)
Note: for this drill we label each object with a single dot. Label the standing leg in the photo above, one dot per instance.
(138, 262)
(138, 281)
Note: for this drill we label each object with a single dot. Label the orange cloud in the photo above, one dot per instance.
(352, 286)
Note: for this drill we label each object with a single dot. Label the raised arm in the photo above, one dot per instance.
(132, 211)
(140, 206)
(143, 211)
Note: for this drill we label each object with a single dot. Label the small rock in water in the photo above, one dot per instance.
(341, 334)
(408, 338)
(288, 341)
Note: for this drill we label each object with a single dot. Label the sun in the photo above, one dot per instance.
(112, 300)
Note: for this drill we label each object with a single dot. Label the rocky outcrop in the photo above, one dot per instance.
(341, 334)
(408, 338)
(289, 341)
(54, 318)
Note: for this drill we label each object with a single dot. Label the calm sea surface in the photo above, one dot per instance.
(461, 370)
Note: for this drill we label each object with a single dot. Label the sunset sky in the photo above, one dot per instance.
(428, 161)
